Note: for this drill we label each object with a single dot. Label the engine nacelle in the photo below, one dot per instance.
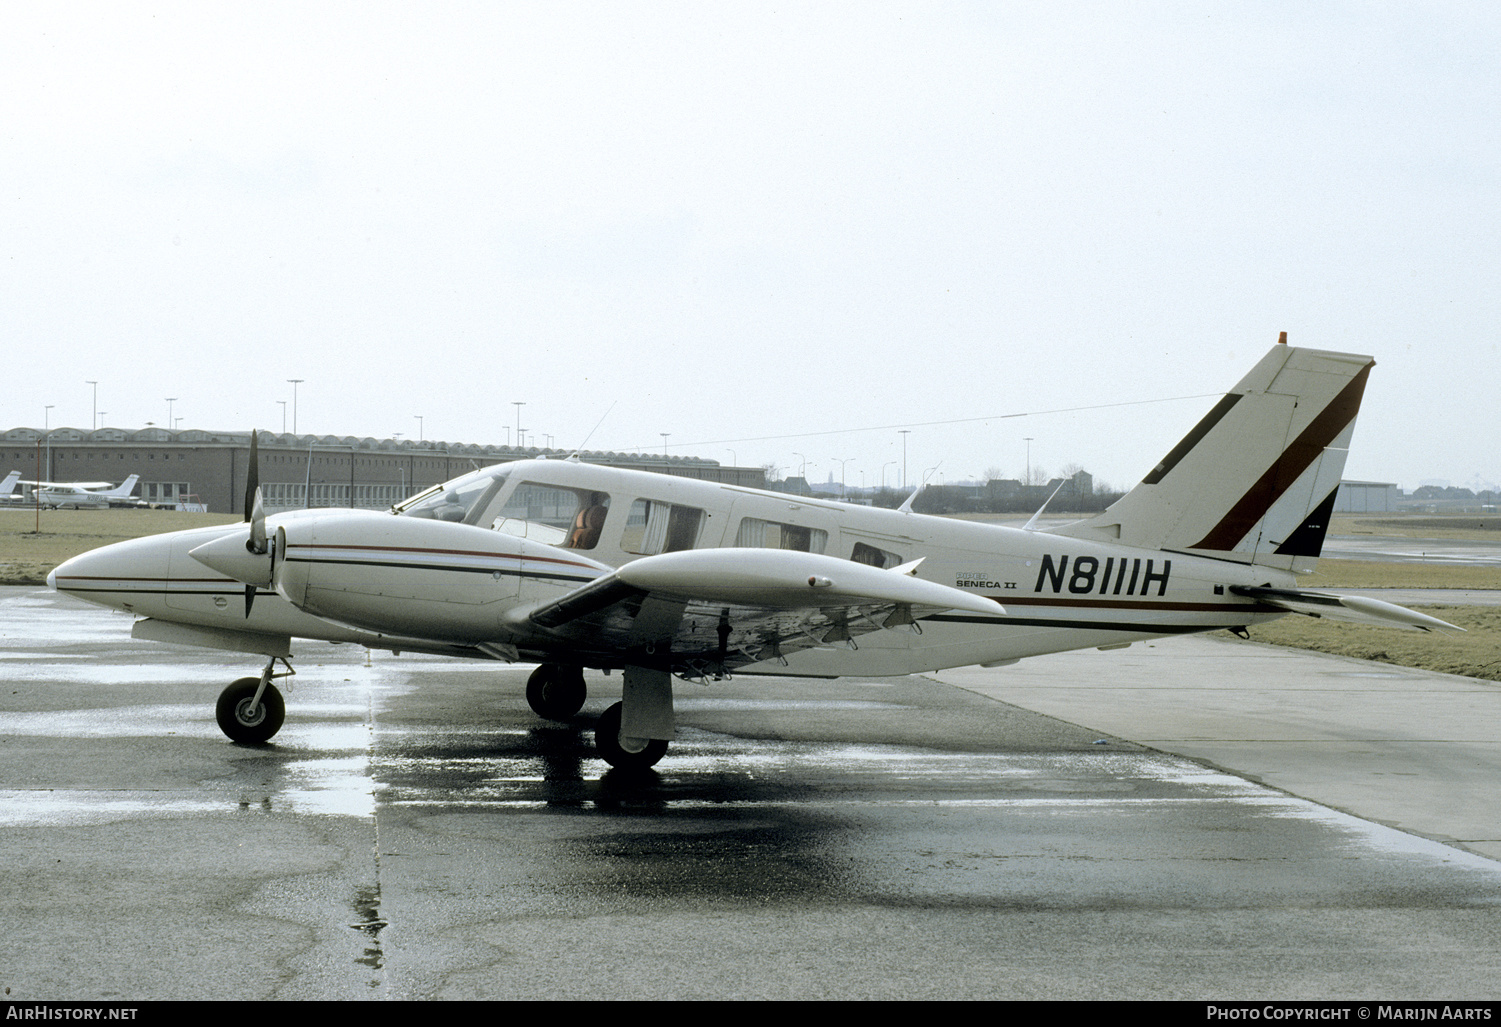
(415, 577)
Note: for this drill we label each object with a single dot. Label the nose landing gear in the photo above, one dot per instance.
(555, 691)
(251, 710)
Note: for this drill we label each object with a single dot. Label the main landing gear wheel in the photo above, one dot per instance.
(643, 754)
(243, 725)
(556, 692)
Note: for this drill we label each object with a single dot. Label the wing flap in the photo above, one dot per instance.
(724, 608)
(785, 579)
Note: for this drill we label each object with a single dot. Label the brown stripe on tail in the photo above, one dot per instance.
(1286, 469)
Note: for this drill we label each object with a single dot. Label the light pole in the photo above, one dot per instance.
(1028, 441)
(844, 492)
(420, 437)
(664, 435)
(170, 401)
(888, 463)
(46, 434)
(518, 404)
(295, 382)
(94, 422)
(904, 433)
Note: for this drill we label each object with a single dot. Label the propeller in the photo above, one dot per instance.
(250, 558)
(255, 514)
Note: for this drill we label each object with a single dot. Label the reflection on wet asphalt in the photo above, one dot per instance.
(415, 831)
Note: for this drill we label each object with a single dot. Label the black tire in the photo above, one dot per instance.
(250, 730)
(607, 742)
(556, 692)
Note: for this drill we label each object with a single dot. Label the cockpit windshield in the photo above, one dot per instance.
(460, 500)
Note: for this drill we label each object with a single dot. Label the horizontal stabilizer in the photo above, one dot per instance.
(1351, 609)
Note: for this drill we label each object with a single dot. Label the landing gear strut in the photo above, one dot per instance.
(555, 691)
(633, 734)
(251, 710)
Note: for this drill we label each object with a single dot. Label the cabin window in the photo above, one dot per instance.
(868, 554)
(460, 500)
(758, 534)
(570, 518)
(656, 527)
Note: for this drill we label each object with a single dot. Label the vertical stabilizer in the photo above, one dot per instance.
(1255, 480)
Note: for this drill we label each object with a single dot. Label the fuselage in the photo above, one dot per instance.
(534, 530)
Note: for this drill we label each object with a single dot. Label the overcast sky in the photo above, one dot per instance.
(741, 221)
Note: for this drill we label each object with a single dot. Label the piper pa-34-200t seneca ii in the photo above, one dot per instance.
(574, 566)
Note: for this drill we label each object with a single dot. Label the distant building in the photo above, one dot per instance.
(1366, 497)
(210, 467)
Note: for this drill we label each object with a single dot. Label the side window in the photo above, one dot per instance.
(758, 534)
(864, 553)
(568, 518)
(655, 527)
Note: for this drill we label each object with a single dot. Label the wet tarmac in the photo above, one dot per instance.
(416, 832)
(1394, 549)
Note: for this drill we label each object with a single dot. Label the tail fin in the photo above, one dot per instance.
(1255, 480)
(124, 489)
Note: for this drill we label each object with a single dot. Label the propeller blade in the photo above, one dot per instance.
(249, 599)
(257, 543)
(252, 476)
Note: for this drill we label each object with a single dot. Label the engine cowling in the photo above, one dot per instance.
(416, 577)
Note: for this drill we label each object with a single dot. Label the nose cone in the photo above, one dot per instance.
(111, 575)
(229, 557)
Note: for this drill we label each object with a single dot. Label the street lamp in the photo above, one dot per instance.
(420, 437)
(94, 423)
(518, 404)
(46, 434)
(904, 433)
(170, 401)
(1028, 441)
(843, 492)
(295, 382)
(664, 435)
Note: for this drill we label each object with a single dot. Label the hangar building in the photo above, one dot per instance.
(209, 467)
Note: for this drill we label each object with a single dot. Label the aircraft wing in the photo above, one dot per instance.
(714, 610)
(1350, 609)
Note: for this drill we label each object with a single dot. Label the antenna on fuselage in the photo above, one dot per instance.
(574, 456)
(1029, 525)
(907, 506)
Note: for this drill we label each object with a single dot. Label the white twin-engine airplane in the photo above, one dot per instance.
(572, 565)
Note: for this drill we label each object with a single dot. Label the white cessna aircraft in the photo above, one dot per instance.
(575, 566)
(84, 494)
